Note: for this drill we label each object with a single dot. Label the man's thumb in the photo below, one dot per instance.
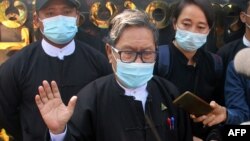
(72, 104)
(213, 104)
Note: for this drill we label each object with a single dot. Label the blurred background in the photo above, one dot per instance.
(17, 28)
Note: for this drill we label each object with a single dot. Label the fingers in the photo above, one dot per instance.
(217, 115)
(208, 120)
(198, 119)
(47, 89)
(192, 116)
(213, 122)
(72, 104)
(55, 90)
(196, 139)
(39, 102)
(43, 95)
(48, 92)
(220, 116)
(213, 104)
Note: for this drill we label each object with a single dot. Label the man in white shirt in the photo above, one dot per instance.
(129, 105)
(58, 56)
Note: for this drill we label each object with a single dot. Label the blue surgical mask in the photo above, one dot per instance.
(190, 41)
(133, 75)
(60, 29)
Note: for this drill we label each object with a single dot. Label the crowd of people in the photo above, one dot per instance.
(62, 89)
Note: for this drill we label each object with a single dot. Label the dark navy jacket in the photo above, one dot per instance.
(237, 96)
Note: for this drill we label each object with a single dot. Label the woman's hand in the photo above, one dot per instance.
(216, 116)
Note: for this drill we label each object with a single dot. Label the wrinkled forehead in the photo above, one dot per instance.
(136, 38)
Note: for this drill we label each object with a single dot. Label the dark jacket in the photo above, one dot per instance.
(228, 51)
(200, 79)
(21, 75)
(104, 113)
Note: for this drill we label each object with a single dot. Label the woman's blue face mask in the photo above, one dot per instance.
(190, 41)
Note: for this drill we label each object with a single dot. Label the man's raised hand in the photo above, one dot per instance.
(54, 112)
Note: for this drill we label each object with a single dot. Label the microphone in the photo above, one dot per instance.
(245, 123)
(242, 62)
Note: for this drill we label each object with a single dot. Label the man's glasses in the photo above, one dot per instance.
(131, 56)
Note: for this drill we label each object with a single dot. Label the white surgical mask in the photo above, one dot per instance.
(190, 41)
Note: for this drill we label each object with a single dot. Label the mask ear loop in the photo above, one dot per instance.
(246, 14)
(112, 52)
(39, 26)
(248, 17)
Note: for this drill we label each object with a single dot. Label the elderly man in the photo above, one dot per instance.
(129, 105)
(58, 57)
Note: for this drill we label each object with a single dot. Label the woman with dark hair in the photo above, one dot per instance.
(129, 105)
(191, 67)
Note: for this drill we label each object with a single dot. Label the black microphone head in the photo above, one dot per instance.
(242, 62)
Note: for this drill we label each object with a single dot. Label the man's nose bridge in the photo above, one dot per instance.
(138, 57)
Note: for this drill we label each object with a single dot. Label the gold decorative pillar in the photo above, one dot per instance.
(13, 34)
(159, 12)
(101, 14)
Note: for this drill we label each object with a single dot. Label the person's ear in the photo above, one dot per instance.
(80, 19)
(174, 24)
(109, 52)
(78, 14)
(36, 20)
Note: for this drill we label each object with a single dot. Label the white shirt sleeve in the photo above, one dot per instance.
(58, 137)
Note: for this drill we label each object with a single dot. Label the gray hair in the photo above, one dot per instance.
(129, 18)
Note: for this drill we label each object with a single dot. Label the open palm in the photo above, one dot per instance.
(54, 112)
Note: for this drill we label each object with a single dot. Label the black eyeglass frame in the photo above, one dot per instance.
(140, 53)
